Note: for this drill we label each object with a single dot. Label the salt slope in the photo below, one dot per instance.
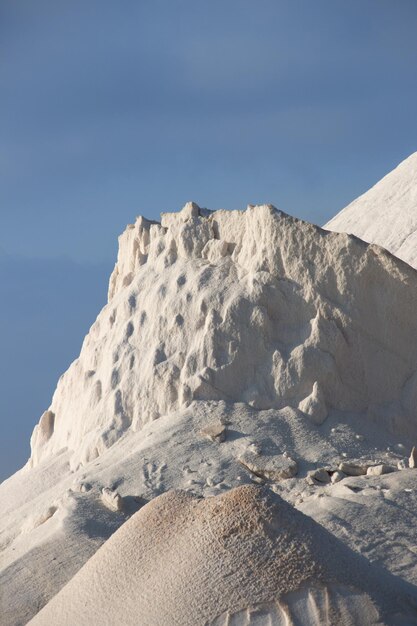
(244, 557)
(53, 519)
(242, 306)
(373, 516)
(387, 213)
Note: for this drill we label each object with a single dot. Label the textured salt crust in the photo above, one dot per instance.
(387, 213)
(267, 316)
(188, 562)
(251, 306)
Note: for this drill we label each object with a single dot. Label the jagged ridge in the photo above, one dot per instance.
(243, 306)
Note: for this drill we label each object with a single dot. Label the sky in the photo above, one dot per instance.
(113, 109)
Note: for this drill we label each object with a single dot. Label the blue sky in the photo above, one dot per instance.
(111, 109)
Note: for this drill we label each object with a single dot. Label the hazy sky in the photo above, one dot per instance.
(111, 109)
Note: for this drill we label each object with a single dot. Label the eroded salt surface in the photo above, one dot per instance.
(242, 306)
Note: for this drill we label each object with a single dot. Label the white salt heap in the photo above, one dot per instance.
(387, 213)
(236, 347)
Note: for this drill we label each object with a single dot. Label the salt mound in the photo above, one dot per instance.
(243, 306)
(387, 213)
(238, 558)
(236, 347)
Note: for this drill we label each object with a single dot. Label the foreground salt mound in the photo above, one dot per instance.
(175, 452)
(238, 558)
(243, 306)
(387, 213)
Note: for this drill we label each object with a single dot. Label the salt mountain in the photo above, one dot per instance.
(236, 347)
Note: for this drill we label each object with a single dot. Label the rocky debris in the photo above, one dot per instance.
(212, 481)
(112, 499)
(337, 476)
(215, 432)
(314, 405)
(258, 480)
(82, 487)
(402, 464)
(351, 469)
(412, 461)
(46, 515)
(318, 477)
(254, 446)
(33, 521)
(273, 467)
(378, 470)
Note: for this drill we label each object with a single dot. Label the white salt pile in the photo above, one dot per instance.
(237, 347)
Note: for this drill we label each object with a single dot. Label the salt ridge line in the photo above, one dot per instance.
(387, 213)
